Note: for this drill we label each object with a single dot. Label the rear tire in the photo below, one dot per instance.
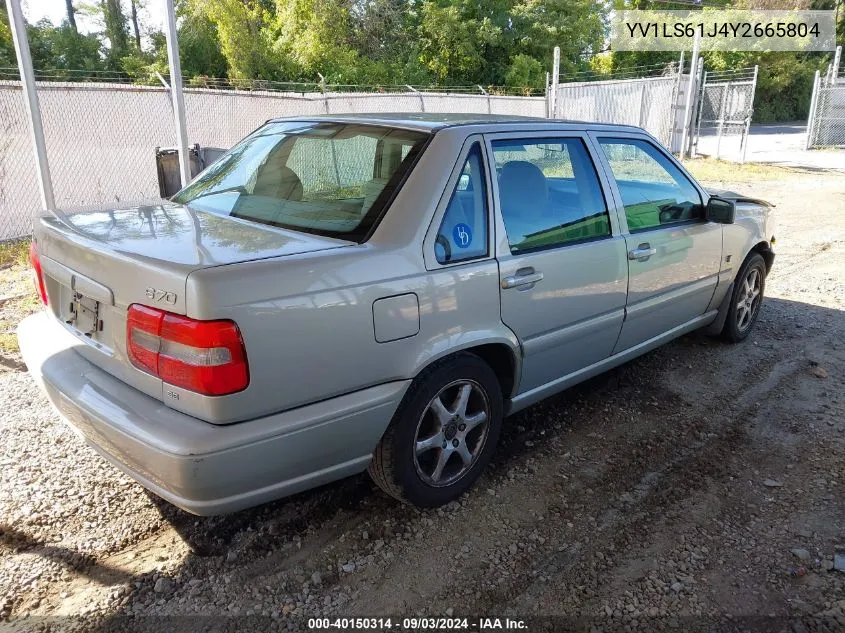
(443, 435)
(746, 299)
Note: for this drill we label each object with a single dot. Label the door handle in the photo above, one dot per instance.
(523, 277)
(642, 252)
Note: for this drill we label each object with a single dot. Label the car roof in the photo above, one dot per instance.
(431, 121)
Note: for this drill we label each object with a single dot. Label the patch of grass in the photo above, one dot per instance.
(18, 298)
(708, 169)
(13, 253)
(9, 344)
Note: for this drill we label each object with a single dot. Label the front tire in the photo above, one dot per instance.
(443, 435)
(746, 299)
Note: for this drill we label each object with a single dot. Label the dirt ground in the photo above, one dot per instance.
(699, 487)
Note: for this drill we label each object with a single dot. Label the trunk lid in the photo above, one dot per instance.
(97, 263)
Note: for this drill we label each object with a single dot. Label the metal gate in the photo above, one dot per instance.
(826, 123)
(724, 113)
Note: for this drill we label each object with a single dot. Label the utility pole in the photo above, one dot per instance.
(176, 92)
(36, 128)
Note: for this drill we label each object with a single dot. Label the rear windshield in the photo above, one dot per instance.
(331, 179)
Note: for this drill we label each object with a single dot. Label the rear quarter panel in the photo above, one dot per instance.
(307, 323)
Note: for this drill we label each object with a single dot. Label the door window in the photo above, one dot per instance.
(654, 191)
(549, 193)
(463, 231)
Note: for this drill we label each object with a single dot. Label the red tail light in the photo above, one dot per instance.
(207, 357)
(39, 276)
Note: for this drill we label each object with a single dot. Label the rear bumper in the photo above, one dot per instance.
(204, 468)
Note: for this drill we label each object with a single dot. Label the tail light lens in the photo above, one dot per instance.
(207, 357)
(39, 275)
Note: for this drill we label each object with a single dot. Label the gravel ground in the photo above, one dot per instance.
(701, 481)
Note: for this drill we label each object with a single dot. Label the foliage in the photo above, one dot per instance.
(7, 47)
(526, 71)
(116, 32)
(379, 42)
(62, 49)
(200, 50)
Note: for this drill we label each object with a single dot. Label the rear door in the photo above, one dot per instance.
(674, 254)
(562, 266)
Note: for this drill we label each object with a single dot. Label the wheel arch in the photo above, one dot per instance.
(765, 250)
(501, 355)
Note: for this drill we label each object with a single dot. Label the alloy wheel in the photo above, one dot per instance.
(749, 299)
(451, 433)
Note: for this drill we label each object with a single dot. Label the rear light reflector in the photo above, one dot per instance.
(207, 357)
(35, 262)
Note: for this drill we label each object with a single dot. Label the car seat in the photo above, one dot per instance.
(524, 199)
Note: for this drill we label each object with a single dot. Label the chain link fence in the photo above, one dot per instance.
(724, 115)
(18, 180)
(650, 102)
(102, 137)
(826, 122)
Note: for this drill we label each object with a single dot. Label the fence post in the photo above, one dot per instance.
(750, 114)
(36, 128)
(697, 96)
(486, 94)
(811, 116)
(698, 113)
(548, 110)
(725, 90)
(642, 105)
(673, 112)
(555, 81)
(688, 108)
(176, 93)
(422, 103)
(834, 71)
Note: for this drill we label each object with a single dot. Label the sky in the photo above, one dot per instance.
(152, 15)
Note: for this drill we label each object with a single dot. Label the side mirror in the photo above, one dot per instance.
(720, 210)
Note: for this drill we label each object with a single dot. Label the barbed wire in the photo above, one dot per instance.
(629, 72)
(263, 85)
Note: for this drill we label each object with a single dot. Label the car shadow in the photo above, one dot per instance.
(69, 559)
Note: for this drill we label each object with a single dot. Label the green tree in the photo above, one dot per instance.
(452, 43)
(243, 28)
(115, 32)
(199, 45)
(71, 15)
(525, 71)
(8, 59)
(314, 36)
(577, 26)
(61, 49)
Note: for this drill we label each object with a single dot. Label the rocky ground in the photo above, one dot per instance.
(703, 480)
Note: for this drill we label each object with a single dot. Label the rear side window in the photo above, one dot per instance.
(331, 179)
(654, 191)
(549, 193)
(463, 231)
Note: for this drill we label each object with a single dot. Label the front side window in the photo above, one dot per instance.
(463, 231)
(654, 191)
(549, 193)
(331, 179)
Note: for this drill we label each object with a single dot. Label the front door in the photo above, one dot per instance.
(674, 254)
(562, 260)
